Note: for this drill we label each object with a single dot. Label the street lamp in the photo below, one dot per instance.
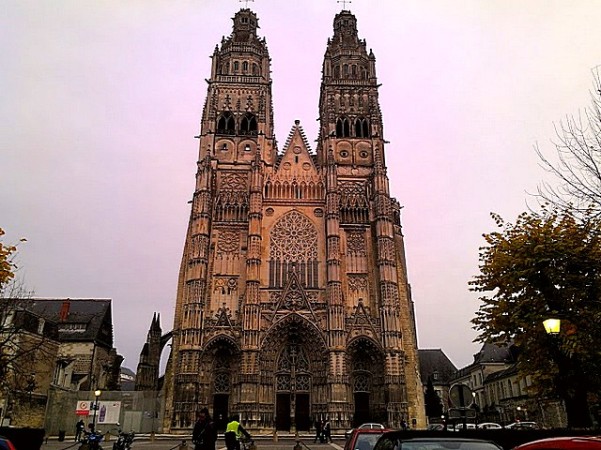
(552, 326)
(97, 393)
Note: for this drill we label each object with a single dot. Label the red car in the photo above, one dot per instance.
(363, 439)
(563, 443)
(5, 444)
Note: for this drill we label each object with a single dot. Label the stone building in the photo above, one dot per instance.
(293, 301)
(61, 345)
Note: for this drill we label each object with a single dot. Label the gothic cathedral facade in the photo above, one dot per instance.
(293, 302)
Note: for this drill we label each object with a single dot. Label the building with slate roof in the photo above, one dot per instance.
(491, 358)
(87, 359)
(435, 365)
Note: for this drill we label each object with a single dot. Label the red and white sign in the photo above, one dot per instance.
(82, 408)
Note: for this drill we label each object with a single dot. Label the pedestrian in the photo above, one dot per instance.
(327, 431)
(204, 434)
(404, 425)
(233, 432)
(317, 431)
(79, 427)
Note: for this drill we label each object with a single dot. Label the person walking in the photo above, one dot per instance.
(204, 434)
(327, 431)
(233, 432)
(79, 427)
(317, 431)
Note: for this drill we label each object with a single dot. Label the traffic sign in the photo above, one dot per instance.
(461, 396)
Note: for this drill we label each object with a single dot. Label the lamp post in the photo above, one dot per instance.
(97, 393)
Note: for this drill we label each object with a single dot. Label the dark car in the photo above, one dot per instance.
(561, 443)
(363, 438)
(5, 444)
(396, 440)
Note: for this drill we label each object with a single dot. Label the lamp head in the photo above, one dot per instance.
(97, 392)
(552, 325)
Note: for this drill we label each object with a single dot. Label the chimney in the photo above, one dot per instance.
(64, 310)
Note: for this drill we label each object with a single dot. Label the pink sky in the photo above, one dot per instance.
(101, 100)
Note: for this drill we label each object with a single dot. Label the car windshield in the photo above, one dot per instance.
(448, 445)
(434, 444)
(366, 441)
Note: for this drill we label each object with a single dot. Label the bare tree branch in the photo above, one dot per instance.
(578, 159)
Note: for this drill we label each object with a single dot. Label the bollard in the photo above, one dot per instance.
(183, 445)
(298, 446)
(275, 436)
(152, 437)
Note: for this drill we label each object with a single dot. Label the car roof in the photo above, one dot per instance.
(586, 442)
(397, 434)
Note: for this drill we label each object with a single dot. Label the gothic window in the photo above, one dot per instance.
(293, 370)
(221, 372)
(363, 73)
(226, 123)
(293, 247)
(342, 127)
(336, 71)
(361, 382)
(255, 69)
(248, 124)
(345, 71)
(236, 66)
(361, 127)
(245, 66)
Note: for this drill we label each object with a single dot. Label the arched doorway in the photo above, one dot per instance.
(293, 386)
(366, 363)
(294, 361)
(222, 356)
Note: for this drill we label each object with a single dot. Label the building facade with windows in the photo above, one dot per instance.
(293, 302)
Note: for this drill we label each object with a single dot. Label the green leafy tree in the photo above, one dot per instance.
(547, 264)
(7, 265)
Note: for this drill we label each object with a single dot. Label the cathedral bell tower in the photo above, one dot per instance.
(365, 247)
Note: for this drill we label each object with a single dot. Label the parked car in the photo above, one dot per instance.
(5, 444)
(468, 426)
(489, 426)
(561, 443)
(435, 427)
(395, 440)
(363, 438)
(367, 426)
(523, 426)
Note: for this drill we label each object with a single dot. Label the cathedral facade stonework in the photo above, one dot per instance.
(293, 302)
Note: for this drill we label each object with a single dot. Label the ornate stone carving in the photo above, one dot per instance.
(228, 242)
(357, 283)
(355, 243)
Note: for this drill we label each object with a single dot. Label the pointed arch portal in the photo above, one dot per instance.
(367, 368)
(294, 362)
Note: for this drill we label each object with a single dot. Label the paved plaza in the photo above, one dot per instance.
(175, 443)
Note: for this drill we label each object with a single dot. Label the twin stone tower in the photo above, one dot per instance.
(293, 302)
